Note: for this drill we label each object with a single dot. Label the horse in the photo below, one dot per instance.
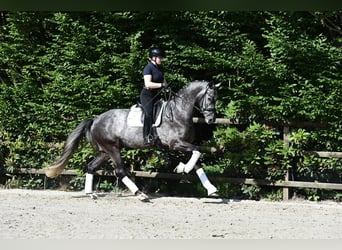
(109, 132)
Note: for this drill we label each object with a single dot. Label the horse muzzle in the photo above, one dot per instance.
(209, 118)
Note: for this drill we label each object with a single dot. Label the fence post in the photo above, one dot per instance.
(286, 134)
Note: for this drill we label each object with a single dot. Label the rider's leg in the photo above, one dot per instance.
(147, 103)
(147, 135)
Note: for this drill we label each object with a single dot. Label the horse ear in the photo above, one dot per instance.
(213, 85)
(217, 85)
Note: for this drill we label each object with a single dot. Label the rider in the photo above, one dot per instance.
(153, 80)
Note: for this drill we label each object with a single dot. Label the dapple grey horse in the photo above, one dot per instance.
(110, 132)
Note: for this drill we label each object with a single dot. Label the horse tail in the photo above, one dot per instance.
(71, 146)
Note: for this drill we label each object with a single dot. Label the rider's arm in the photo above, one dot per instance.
(151, 85)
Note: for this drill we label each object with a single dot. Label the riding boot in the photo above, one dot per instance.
(148, 140)
(147, 131)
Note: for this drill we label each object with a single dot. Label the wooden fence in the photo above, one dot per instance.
(286, 134)
(285, 184)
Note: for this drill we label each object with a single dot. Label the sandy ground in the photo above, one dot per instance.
(32, 214)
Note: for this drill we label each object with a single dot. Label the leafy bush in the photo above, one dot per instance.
(259, 152)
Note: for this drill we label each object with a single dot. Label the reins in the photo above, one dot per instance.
(172, 93)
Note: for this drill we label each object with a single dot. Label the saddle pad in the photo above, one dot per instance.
(134, 118)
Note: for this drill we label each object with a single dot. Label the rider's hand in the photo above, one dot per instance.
(164, 85)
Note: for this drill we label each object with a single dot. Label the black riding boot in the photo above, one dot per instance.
(147, 99)
(148, 140)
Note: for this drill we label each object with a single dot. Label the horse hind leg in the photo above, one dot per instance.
(122, 175)
(91, 169)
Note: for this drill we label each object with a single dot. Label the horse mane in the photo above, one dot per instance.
(192, 85)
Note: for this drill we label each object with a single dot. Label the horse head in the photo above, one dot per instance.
(207, 102)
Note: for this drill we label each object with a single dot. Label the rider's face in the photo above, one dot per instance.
(158, 59)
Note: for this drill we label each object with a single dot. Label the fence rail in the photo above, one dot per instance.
(221, 179)
(299, 124)
(325, 154)
(286, 184)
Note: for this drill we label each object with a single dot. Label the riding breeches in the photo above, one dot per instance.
(148, 98)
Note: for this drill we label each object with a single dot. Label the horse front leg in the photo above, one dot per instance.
(211, 189)
(187, 147)
(186, 168)
(191, 164)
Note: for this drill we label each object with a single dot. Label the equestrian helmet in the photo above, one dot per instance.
(156, 52)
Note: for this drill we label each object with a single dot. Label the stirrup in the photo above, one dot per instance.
(148, 139)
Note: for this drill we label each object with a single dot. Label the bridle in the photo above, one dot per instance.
(203, 105)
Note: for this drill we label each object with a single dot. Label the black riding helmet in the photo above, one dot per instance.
(156, 52)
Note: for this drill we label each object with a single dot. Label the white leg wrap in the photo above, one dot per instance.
(88, 187)
(186, 168)
(205, 182)
(180, 168)
(130, 184)
(192, 162)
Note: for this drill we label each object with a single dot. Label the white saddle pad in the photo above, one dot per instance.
(135, 113)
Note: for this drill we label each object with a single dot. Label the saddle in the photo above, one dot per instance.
(136, 115)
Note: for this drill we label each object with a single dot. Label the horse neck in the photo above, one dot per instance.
(186, 99)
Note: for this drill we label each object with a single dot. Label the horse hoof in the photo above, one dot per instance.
(142, 197)
(214, 195)
(180, 168)
(92, 196)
